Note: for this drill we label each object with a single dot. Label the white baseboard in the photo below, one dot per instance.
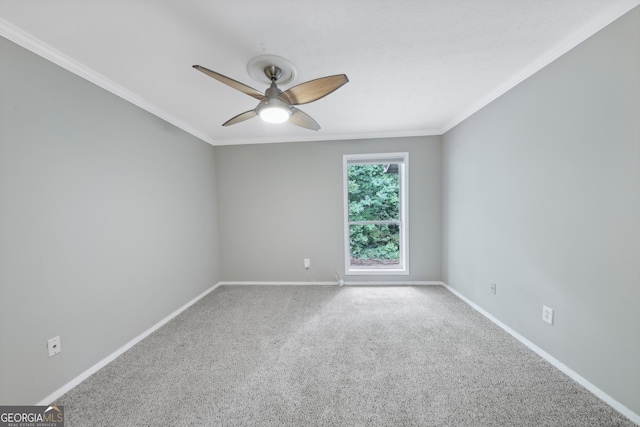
(276, 283)
(555, 362)
(398, 283)
(86, 374)
(347, 283)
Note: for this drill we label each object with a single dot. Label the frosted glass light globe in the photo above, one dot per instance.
(274, 114)
(274, 111)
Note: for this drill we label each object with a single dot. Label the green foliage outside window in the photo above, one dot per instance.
(373, 196)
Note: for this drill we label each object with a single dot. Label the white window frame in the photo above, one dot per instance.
(403, 173)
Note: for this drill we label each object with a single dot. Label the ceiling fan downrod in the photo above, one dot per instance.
(273, 73)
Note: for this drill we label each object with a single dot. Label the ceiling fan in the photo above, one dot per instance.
(277, 106)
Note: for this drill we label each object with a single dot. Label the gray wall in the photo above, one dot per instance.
(107, 223)
(542, 197)
(281, 203)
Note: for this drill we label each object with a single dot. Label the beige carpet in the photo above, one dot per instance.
(329, 356)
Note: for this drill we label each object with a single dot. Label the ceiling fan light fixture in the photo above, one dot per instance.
(274, 110)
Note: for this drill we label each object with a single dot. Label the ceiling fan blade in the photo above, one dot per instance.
(240, 118)
(304, 120)
(230, 82)
(313, 89)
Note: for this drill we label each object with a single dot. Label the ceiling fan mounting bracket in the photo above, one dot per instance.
(260, 69)
(273, 73)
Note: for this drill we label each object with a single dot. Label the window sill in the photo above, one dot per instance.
(376, 272)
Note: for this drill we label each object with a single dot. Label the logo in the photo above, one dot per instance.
(31, 416)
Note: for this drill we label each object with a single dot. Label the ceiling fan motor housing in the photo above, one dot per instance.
(273, 91)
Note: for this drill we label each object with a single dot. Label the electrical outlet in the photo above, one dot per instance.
(493, 288)
(54, 346)
(547, 314)
(307, 263)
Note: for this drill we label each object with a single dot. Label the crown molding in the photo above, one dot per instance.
(31, 43)
(275, 139)
(40, 48)
(27, 41)
(564, 46)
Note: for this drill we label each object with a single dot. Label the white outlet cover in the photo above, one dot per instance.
(54, 346)
(547, 314)
(307, 263)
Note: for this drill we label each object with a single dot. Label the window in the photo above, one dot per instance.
(375, 213)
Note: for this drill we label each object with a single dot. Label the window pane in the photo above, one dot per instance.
(375, 207)
(373, 192)
(374, 245)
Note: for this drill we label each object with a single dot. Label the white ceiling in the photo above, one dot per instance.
(416, 67)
